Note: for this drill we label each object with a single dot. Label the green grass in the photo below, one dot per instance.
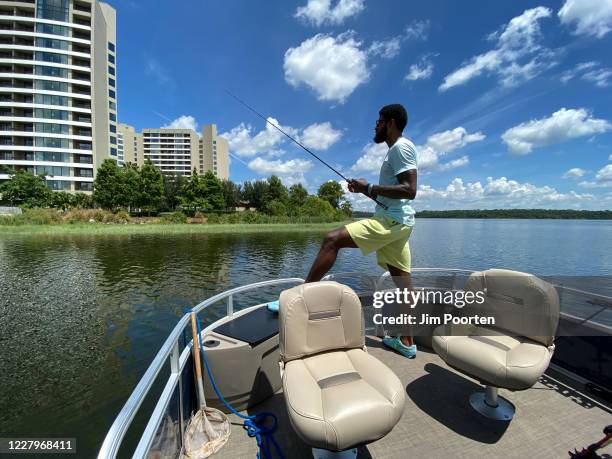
(180, 228)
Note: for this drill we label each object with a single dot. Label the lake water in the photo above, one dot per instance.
(81, 317)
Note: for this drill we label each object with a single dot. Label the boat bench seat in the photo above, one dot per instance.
(337, 395)
(493, 358)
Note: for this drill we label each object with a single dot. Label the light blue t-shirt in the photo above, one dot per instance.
(401, 157)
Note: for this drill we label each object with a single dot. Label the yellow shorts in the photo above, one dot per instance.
(388, 238)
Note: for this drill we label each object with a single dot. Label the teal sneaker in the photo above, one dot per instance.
(396, 344)
(273, 306)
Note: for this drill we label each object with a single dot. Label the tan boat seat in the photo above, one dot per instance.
(337, 395)
(512, 355)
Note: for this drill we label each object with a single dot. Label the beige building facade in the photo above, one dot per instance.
(58, 89)
(175, 151)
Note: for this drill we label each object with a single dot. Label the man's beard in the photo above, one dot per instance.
(380, 136)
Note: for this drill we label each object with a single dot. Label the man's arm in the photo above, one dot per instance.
(405, 189)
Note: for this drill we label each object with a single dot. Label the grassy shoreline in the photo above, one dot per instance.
(178, 228)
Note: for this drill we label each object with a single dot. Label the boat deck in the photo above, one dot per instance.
(438, 421)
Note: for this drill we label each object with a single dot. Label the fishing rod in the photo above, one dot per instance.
(298, 143)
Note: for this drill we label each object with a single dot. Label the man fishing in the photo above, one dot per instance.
(387, 232)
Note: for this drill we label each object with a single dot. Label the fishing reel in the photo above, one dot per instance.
(590, 451)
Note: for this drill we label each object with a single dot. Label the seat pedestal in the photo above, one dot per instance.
(318, 453)
(490, 405)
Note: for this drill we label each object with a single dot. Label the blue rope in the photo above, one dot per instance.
(255, 424)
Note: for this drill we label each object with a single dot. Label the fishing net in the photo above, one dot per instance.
(207, 432)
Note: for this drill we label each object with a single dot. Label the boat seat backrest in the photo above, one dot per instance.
(319, 317)
(523, 304)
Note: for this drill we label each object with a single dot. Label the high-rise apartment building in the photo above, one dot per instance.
(175, 151)
(58, 89)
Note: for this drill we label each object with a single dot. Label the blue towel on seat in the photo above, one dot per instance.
(273, 306)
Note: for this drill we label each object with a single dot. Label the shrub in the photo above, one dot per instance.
(173, 217)
(36, 216)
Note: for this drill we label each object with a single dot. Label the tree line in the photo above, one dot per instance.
(145, 189)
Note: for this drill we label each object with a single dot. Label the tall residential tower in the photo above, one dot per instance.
(58, 89)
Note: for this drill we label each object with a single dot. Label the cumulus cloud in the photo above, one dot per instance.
(320, 136)
(437, 146)
(422, 70)
(372, 158)
(499, 193)
(573, 173)
(245, 143)
(333, 67)
(321, 12)
(516, 57)
(290, 172)
(590, 17)
(563, 125)
(454, 164)
(603, 178)
(183, 122)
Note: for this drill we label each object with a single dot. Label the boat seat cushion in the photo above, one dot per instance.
(339, 399)
(491, 356)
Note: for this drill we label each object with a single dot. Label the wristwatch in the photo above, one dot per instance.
(370, 186)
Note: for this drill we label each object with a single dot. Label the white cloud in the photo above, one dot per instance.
(454, 164)
(499, 193)
(332, 66)
(358, 201)
(320, 136)
(290, 172)
(518, 40)
(320, 12)
(183, 122)
(589, 71)
(387, 49)
(437, 145)
(374, 154)
(601, 77)
(417, 30)
(604, 174)
(422, 70)
(591, 17)
(563, 125)
(447, 141)
(573, 173)
(243, 142)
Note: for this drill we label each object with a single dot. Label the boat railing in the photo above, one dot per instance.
(169, 352)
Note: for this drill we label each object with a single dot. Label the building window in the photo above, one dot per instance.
(51, 57)
(52, 29)
(111, 58)
(111, 46)
(50, 43)
(112, 117)
(50, 100)
(113, 140)
(50, 71)
(111, 81)
(112, 94)
(51, 85)
(50, 114)
(111, 69)
(113, 128)
(113, 151)
(56, 10)
(112, 105)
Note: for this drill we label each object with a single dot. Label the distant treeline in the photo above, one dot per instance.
(565, 214)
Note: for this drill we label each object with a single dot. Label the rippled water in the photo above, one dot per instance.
(82, 316)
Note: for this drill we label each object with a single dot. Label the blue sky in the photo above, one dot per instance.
(510, 103)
